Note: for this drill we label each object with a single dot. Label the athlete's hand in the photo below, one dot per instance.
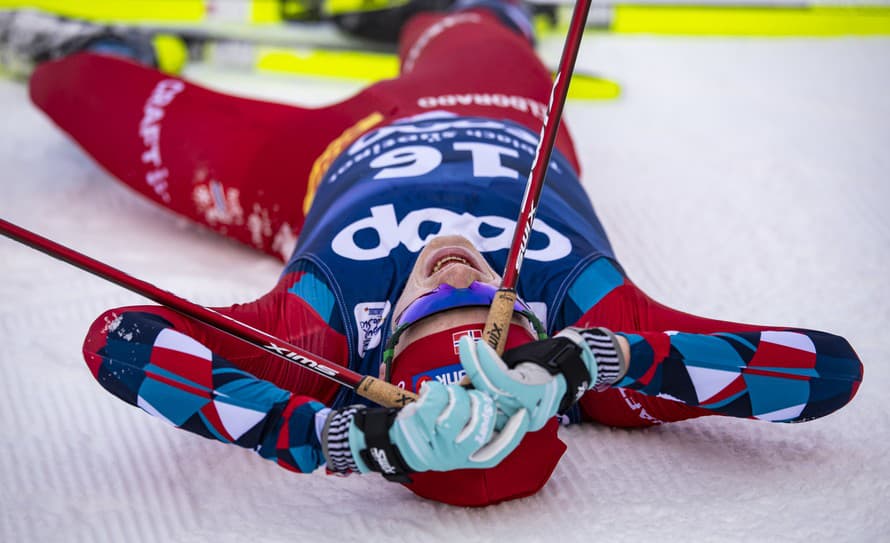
(544, 377)
(447, 428)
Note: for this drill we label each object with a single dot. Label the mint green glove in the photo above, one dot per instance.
(544, 377)
(447, 428)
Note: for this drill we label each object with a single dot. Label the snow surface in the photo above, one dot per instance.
(739, 178)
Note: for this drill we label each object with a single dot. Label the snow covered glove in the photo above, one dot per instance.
(449, 427)
(544, 377)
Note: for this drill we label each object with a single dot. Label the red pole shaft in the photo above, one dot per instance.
(545, 145)
(498, 321)
(262, 340)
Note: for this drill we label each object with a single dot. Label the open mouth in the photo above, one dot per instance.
(450, 256)
(448, 260)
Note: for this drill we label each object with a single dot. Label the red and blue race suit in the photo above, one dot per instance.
(361, 186)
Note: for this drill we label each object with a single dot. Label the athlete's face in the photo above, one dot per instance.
(451, 260)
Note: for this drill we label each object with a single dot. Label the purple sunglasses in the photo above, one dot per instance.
(446, 297)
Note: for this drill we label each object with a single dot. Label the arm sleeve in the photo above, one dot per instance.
(683, 366)
(774, 374)
(181, 372)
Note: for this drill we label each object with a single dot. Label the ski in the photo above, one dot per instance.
(702, 18)
(357, 66)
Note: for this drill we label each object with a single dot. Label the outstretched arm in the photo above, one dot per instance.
(716, 367)
(629, 361)
(142, 358)
(202, 380)
(780, 375)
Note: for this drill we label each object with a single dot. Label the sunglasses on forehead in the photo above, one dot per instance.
(446, 297)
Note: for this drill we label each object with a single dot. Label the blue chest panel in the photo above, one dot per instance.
(398, 186)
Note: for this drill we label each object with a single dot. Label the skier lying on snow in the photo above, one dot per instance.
(401, 201)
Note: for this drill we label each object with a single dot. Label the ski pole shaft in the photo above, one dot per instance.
(498, 321)
(366, 386)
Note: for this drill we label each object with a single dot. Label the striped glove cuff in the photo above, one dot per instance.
(335, 440)
(610, 363)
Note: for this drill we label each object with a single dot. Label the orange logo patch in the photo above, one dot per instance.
(333, 150)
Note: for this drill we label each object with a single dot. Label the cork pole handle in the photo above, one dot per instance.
(498, 322)
(384, 393)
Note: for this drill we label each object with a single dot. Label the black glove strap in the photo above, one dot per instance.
(381, 455)
(558, 356)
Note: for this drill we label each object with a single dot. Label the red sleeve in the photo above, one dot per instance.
(287, 316)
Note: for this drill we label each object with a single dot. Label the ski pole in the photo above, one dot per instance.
(501, 312)
(374, 389)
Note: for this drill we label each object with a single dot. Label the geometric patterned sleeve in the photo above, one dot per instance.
(775, 375)
(202, 380)
(683, 365)
(140, 358)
